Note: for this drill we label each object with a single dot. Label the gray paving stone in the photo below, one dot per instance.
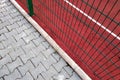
(49, 74)
(12, 21)
(18, 44)
(38, 50)
(66, 75)
(3, 30)
(59, 77)
(11, 33)
(13, 76)
(28, 47)
(5, 60)
(74, 77)
(5, 51)
(69, 70)
(4, 24)
(8, 41)
(29, 31)
(1, 78)
(14, 54)
(38, 59)
(13, 26)
(27, 24)
(35, 72)
(4, 71)
(48, 52)
(56, 56)
(25, 68)
(2, 10)
(38, 40)
(48, 62)
(21, 28)
(15, 14)
(1, 15)
(29, 38)
(2, 37)
(36, 34)
(22, 22)
(26, 77)
(20, 35)
(45, 44)
(27, 56)
(9, 7)
(1, 46)
(5, 18)
(40, 78)
(14, 65)
(59, 65)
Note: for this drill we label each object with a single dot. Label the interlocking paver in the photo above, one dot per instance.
(35, 72)
(25, 68)
(26, 77)
(14, 65)
(49, 74)
(29, 31)
(20, 35)
(5, 18)
(1, 78)
(9, 42)
(15, 14)
(1, 46)
(4, 30)
(4, 71)
(58, 66)
(65, 74)
(24, 53)
(38, 59)
(28, 47)
(18, 52)
(4, 24)
(59, 77)
(40, 78)
(38, 50)
(11, 33)
(38, 40)
(12, 26)
(68, 70)
(56, 56)
(48, 52)
(21, 28)
(13, 76)
(19, 43)
(5, 60)
(5, 51)
(23, 23)
(48, 62)
(27, 39)
(2, 37)
(27, 56)
(46, 44)
(74, 77)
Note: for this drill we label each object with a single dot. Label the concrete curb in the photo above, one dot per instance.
(64, 55)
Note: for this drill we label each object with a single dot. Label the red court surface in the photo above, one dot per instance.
(88, 30)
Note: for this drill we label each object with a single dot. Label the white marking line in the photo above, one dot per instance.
(113, 34)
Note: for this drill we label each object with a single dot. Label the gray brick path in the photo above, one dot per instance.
(24, 53)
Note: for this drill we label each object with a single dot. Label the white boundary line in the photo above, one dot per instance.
(103, 27)
(80, 72)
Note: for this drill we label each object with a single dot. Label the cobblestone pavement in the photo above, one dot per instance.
(24, 53)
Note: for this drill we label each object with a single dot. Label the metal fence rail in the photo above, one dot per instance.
(88, 30)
